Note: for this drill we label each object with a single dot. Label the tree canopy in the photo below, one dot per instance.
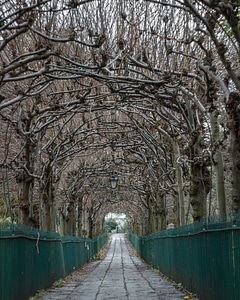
(145, 90)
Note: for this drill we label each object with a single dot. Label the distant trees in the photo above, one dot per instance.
(112, 223)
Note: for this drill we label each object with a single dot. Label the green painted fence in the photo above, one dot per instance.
(204, 258)
(32, 260)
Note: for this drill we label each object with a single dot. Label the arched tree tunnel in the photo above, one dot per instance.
(118, 148)
(147, 91)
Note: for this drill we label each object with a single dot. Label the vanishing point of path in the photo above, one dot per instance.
(120, 275)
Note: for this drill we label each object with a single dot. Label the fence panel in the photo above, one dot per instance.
(32, 260)
(205, 260)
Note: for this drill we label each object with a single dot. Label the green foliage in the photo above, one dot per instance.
(112, 223)
(225, 25)
(60, 282)
(156, 271)
(5, 224)
(5, 204)
(124, 227)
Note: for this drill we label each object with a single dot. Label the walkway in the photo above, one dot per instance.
(120, 275)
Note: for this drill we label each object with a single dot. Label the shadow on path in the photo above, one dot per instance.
(120, 275)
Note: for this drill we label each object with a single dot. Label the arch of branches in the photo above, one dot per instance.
(145, 90)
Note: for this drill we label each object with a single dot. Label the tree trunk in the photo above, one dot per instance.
(235, 142)
(179, 177)
(233, 109)
(97, 227)
(151, 213)
(200, 179)
(90, 222)
(218, 164)
(90, 227)
(176, 208)
(48, 210)
(48, 215)
(160, 213)
(151, 220)
(198, 194)
(25, 188)
(80, 217)
(70, 223)
(26, 183)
